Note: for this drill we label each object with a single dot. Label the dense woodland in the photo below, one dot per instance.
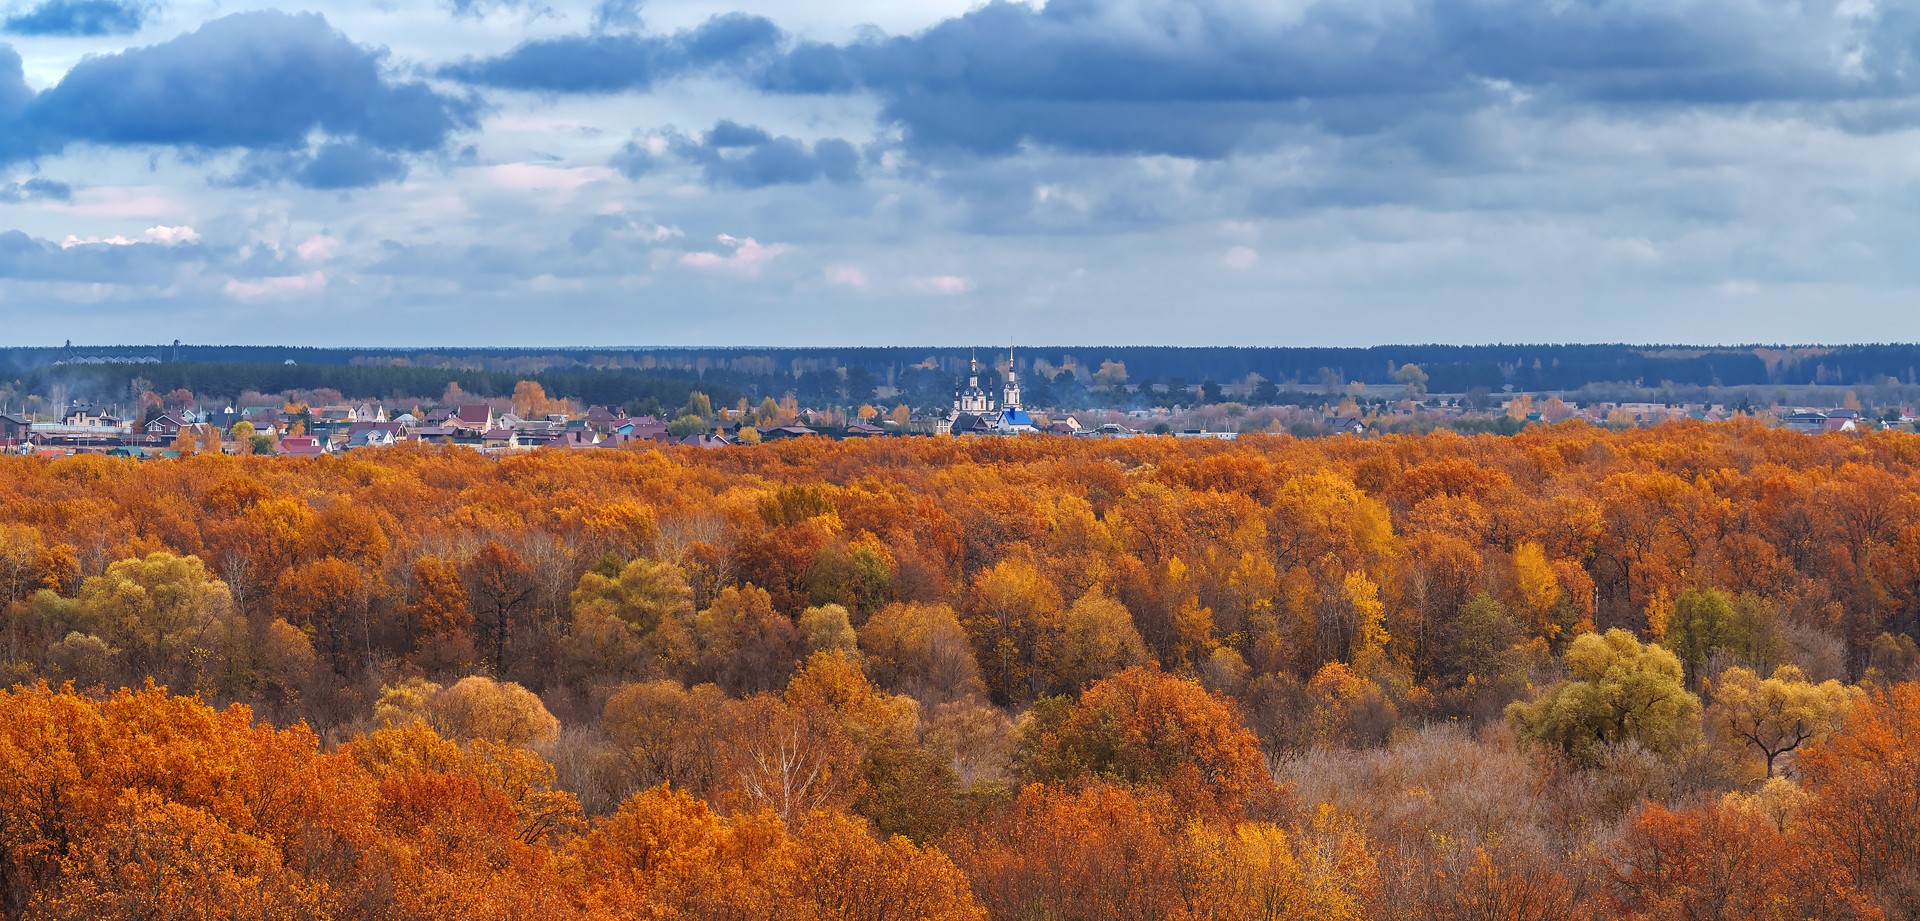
(1055, 376)
(1567, 674)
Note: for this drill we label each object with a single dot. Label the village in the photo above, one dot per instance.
(530, 421)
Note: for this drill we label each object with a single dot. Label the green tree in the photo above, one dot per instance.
(698, 406)
(1621, 690)
(828, 627)
(1702, 621)
(647, 609)
(686, 425)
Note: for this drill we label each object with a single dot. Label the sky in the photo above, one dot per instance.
(943, 172)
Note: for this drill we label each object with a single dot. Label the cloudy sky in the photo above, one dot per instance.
(703, 172)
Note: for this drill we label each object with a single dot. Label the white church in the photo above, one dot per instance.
(975, 413)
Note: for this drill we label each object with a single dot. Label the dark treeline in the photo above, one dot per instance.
(1054, 375)
(227, 380)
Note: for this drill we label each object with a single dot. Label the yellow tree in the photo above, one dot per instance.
(478, 707)
(243, 432)
(165, 611)
(1775, 716)
(1097, 639)
(1538, 588)
(1013, 619)
(530, 400)
(1622, 690)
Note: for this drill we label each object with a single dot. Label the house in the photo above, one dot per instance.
(83, 417)
(14, 426)
(704, 440)
(500, 439)
(1805, 421)
(532, 426)
(165, 426)
(577, 438)
(642, 428)
(783, 432)
(265, 419)
(373, 435)
(862, 430)
(1013, 420)
(302, 446)
(1346, 425)
(222, 419)
(473, 417)
(604, 420)
(968, 423)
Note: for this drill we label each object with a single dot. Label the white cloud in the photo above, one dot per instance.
(164, 236)
(172, 235)
(748, 256)
(846, 276)
(321, 248)
(1241, 258)
(944, 284)
(276, 287)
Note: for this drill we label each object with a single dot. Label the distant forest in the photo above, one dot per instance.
(924, 376)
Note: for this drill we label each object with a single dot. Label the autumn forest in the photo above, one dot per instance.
(1664, 673)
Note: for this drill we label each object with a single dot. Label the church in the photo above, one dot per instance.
(974, 411)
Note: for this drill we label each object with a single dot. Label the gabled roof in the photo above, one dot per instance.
(301, 446)
(474, 413)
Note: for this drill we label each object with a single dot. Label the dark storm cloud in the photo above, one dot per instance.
(748, 157)
(337, 165)
(79, 18)
(28, 258)
(612, 15)
(610, 63)
(35, 190)
(1204, 78)
(264, 82)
